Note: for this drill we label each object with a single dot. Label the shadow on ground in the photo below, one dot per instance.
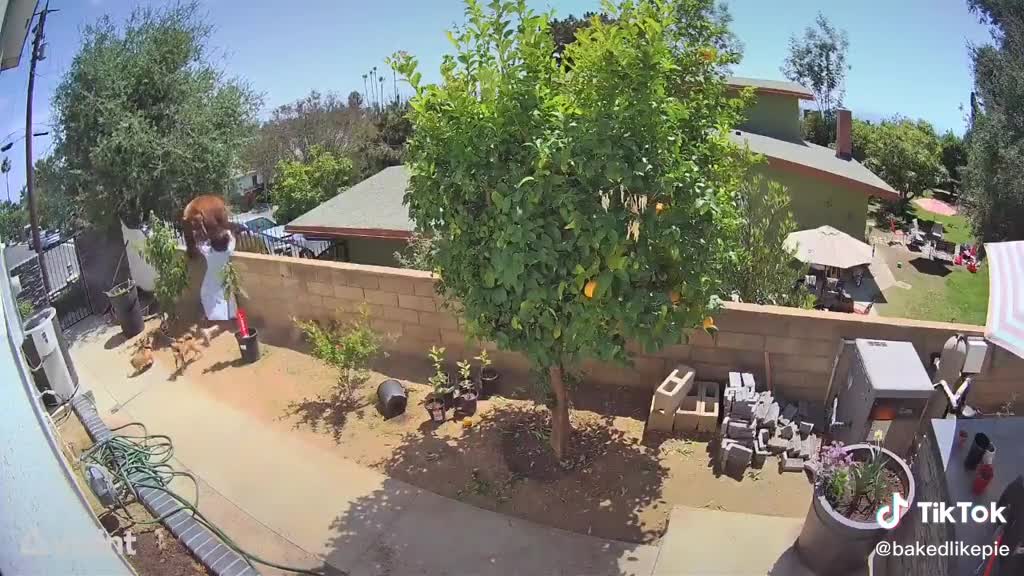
(503, 464)
(931, 267)
(327, 412)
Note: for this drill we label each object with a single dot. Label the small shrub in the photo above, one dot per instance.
(231, 282)
(161, 251)
(349, 348)
(25, 308)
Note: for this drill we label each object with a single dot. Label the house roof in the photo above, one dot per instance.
(771, 86)
(373, 208)
(817, 161)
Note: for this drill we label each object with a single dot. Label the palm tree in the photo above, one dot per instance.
(5, 167)
(366, 93)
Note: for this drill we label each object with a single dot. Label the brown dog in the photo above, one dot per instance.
(186, 350)
(204, 218)
(143, 357)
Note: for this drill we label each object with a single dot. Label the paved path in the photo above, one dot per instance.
(293, 502)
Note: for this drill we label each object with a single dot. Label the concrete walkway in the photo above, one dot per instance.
(292, 502)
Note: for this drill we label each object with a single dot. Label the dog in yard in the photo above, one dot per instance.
(143, 357)
(186, 350)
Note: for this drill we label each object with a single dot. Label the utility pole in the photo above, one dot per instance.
(37, 55)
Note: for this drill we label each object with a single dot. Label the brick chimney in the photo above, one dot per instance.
(844, 137)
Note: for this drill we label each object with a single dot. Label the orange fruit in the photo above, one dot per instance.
(588, 289)
(709, 324)
(659, 207)
(675, 297)
(708, 54)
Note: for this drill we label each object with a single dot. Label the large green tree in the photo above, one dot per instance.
(905, 153)
(144, 121)
(576, 209)
(993, 181)
(817, 60)
(766, 270)
(301, 186)
(954, 159)
(13, 219)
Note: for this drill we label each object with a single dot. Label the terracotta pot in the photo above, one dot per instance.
(832, 544)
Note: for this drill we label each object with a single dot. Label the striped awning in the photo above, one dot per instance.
(1005, 323)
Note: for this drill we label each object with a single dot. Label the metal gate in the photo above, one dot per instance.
(68, 292)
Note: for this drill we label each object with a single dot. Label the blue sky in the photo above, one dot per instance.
(908, 57)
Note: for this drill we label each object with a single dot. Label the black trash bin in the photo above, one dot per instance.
(124, 299)
(393, 399)
(249, 346)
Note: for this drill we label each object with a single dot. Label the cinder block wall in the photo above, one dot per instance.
(790, 348)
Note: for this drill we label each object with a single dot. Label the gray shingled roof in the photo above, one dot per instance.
(813, 156)
(770, 85)
(374, 203)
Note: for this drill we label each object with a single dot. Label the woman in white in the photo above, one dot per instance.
(217, 305)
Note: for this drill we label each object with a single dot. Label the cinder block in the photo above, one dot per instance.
(748, 381)
(670, 393)
(421, 303)
(805, 428)
(740, 429)
(742, 409)
(790, 464)
(659, 420)
(777, 445)
(723, 451)
(708, 406)
(789, 412)
(771, 418)
(737, 459)
(787, 432)
(723, 428)
(735, 380)
(795, 447)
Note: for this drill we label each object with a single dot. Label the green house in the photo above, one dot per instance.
(826, 185)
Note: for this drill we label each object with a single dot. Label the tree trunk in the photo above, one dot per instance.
(561, 429)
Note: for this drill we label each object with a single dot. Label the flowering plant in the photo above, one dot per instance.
(841, 478)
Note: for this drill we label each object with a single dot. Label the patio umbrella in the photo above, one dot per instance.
(827, 246)
(1005, 323)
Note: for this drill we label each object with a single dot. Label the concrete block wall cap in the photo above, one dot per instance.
(842, 318)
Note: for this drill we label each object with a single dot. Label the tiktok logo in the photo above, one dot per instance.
(889, 516)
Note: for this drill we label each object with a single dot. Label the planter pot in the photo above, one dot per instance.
(249, 346)
(832, 544)
(436, 409)
(465, 402)
(488, 381)
(392, 397)
(124, 299)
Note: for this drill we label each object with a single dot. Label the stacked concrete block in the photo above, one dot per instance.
(708, 404)
(668, 397)
(688, 413)
(764, 425)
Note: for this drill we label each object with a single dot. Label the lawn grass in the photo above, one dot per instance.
(959, 297)
(956, 229)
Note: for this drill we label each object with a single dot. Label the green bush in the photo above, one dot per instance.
(301, 186)
(161, 251)
(348, 348)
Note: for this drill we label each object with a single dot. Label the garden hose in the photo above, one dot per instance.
(142, 461)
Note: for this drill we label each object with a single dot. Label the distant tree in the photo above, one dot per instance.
(568, 205)
(144, 121)
(817, 60)
(993, 180)
(563, 31)
(5, 167)
(318, 120)
(954, 159)
(301, 186)
(766, 272)
(13, 220)
(355, 100)
(905, 153)
(56, 208)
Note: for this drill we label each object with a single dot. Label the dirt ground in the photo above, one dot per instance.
(615, 485)
(157, 551)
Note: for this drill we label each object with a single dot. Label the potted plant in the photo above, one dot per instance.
(488, 375)
(438, 401)
(247, 337)
(853, 483)
(466, 393)
(124, 300)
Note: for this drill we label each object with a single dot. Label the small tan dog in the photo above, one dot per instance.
(143, 357)
(186, 350)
